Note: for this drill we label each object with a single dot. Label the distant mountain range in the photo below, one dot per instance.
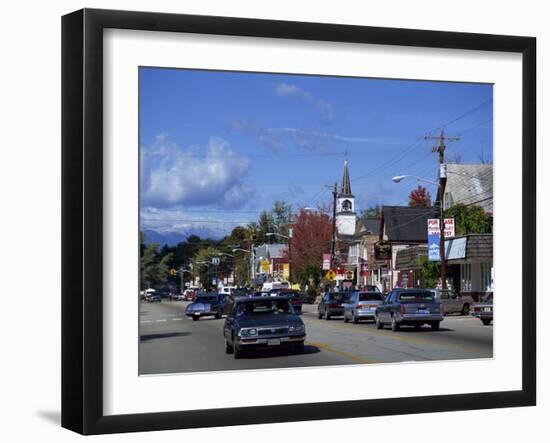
(173, 238)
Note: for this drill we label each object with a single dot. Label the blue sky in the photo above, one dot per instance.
(217, 148)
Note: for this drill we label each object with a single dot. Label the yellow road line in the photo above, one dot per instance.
(347, 355)
(400, 337)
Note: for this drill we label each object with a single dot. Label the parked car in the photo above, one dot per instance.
(262, 322)
(484, 309)
(152, 298)
(362, 306)
(189, 295)
(451, 301)
(206, 304)
(332, 304)
(411, 307)
(294, 298)
(309, 297)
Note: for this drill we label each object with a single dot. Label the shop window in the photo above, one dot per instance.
(466, 277)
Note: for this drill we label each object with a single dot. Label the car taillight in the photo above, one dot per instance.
(477, 309)
(402, 309)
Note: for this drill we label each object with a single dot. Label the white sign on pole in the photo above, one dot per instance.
(449, 227)
(326, 261)
(433, 227)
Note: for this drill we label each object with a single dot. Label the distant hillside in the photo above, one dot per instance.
(173, 238)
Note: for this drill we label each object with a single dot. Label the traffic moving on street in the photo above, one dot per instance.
(266, 332)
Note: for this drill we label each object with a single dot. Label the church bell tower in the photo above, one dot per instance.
(345, 206)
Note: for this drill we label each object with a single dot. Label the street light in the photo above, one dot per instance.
(443, 265)
(182, 271)
(398, 178)
(269, 234)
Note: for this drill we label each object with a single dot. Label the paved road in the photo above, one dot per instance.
(170, 342)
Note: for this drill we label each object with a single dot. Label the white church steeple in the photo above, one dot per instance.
(345, 206)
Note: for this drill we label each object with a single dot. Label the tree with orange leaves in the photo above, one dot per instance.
(420, 197)
(311, 238)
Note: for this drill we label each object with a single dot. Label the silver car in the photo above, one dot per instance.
(362, 306)
(451, 301)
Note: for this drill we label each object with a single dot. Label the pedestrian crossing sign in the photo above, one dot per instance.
(331, 275)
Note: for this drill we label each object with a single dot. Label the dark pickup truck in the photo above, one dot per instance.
(411, 307)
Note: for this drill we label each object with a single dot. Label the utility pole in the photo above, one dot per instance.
(333, 245)
(290, 256)
(440, 149)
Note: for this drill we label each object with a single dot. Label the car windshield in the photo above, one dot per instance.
(416, 296)
(338, 296)
(290, 294)
(206, 298)
(370, 296)
(264, 307)
(488, 299)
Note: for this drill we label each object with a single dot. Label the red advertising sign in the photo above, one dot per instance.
(364, 267)
(326, 262)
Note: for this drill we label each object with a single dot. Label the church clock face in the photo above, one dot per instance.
(346, 206)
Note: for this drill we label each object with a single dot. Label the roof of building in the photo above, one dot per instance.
(345, 190)
(275, 250)
(408, 258)
(406, 224)
(469, 184)
(371, 225)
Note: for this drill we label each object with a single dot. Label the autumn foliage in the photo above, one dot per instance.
(420, 198)
(311, 238)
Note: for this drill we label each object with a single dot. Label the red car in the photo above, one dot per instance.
(189, 295)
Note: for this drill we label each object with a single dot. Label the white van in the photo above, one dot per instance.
(227, 290)
(275, 285)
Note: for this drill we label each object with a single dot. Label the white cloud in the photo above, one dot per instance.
(285, 89)
(171, 176)
(181, 221)
(324, 108)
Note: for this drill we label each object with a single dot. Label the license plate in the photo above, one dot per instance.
(423, 311)
(273, 342)
(196, 314)
(486, 309)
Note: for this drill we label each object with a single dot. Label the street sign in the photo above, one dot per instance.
(449, 227)
(433, 239)
(349, 275)
(326, 262)
(382, 250)
(433, 236)
(216, 260)
(331, 275)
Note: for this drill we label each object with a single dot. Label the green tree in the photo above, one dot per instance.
(154, 267)
(470, 219)
(282, 216)
(203, 266)
(265, 225)
(430, 273)
(239, 238)
(373, 211)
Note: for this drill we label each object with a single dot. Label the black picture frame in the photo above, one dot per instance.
(82, 218)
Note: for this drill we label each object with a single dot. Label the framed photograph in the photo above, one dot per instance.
(269, 221)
